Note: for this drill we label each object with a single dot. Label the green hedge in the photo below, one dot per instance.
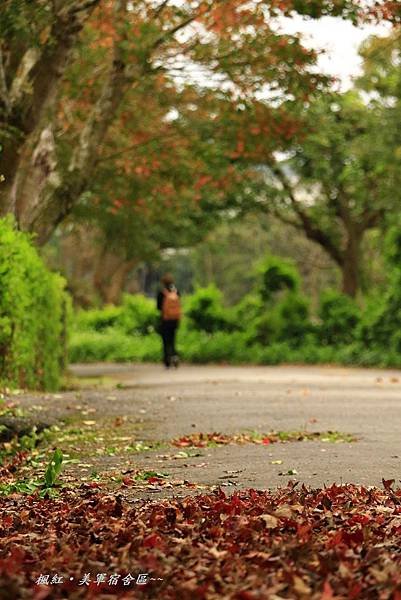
(33, 314)
(222, 347)
(113, 345)
(272, 324)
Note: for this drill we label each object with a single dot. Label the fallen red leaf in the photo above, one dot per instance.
(388, 483)
(154, 480)
(327, 591)
(339, 542)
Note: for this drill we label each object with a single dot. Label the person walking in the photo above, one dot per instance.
(169, 305)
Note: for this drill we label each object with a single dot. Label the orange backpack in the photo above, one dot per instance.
(171, 310)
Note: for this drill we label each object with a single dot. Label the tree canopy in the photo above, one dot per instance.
(74, 73)
(149, 122)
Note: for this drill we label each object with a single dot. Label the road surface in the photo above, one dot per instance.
(227, 399)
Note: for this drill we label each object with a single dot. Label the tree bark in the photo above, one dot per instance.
(347, 255)
(117, 282)
(311, 228)
(55, 200)
(28, 112)
(110, 276)
(351, 264)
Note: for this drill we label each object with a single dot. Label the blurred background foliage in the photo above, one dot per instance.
(152, 136)
(273, 322)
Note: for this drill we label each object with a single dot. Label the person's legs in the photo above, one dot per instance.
(168, 334)
(169, 329)
(166, 345)
(170, 343)
(174, 356)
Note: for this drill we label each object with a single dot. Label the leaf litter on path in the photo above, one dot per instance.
(341, 541)
(202, 440)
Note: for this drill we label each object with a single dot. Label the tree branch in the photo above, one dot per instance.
(169, 136)
(168, 34)
(371, 218)
(334, 202)
(286, 220)
(158, 11)
(310, 227)
(104, 110)
(82, 6)
(28, 62)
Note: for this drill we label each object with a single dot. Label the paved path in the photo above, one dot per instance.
(363, 402)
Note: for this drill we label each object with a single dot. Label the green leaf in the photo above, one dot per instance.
(54, 468)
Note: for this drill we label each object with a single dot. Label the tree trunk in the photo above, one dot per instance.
(36, 190)
(37, 175)
(111, 275)
(29, 112)
(117, 282)
(351, 264)
(54, 201)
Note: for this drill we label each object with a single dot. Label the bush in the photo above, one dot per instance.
(381, 323)
(277, 275)
(393, 247)
(309, 353)
(271, 325)
(288, 321)
(247, 312)
(292, 319)
(339, 318)
(113, 345)
(280, 313)
(139, 315)
(205, 311)
(98, 319)
(33, 314)
(136, 315)
(222, 346)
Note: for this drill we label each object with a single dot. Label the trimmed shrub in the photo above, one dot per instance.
(272, 325)
(136, 315)
(113, 345)
(277, 275)
(33, 314)
(288, 321)
(98, 319)
(139, 315)
(281, 314)
(247, 312)
(291, 319)
(205, 312)
(339, 318)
